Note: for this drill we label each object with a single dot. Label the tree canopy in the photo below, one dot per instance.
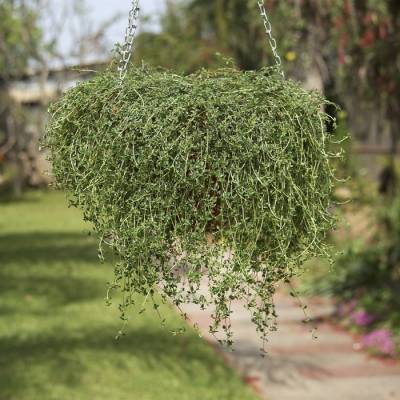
(20, 36)
(352, 44)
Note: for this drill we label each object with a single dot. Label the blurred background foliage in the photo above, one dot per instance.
(347, 49)
(20, 38)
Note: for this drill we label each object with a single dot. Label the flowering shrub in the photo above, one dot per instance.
(380, 340)
(362, 318)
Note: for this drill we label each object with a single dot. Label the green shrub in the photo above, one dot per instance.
(220, 174)
(371, 268)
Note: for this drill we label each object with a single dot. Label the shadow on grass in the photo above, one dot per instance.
(56, 291)
(60, 357)
(53, 266)
(7, 196)
(51, 271)
(29, 249)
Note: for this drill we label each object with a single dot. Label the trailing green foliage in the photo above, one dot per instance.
(223, 175)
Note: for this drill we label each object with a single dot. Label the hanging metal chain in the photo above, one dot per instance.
(126, 51)
(271, 39)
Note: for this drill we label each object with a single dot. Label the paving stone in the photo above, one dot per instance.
(299, 367)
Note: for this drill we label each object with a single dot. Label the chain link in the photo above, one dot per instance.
(126, 51)
(271, 39)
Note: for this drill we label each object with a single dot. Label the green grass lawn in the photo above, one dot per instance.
(57, 336)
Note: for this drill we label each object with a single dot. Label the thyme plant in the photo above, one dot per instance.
(220, 176)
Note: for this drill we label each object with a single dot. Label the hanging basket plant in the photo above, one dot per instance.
(220, 176)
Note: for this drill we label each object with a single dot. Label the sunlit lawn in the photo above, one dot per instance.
(57, 336)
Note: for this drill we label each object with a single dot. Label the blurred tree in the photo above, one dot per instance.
(178, 45)
(193, 31)
(233, 25)
(368, 47)
(24, 49)
(20, 39)
(348, 49)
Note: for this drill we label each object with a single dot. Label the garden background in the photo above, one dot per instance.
(57, 336)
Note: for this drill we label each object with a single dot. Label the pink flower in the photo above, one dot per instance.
(380, 339)
(362, 318)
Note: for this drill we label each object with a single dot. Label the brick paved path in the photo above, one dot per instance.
(298, 367)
